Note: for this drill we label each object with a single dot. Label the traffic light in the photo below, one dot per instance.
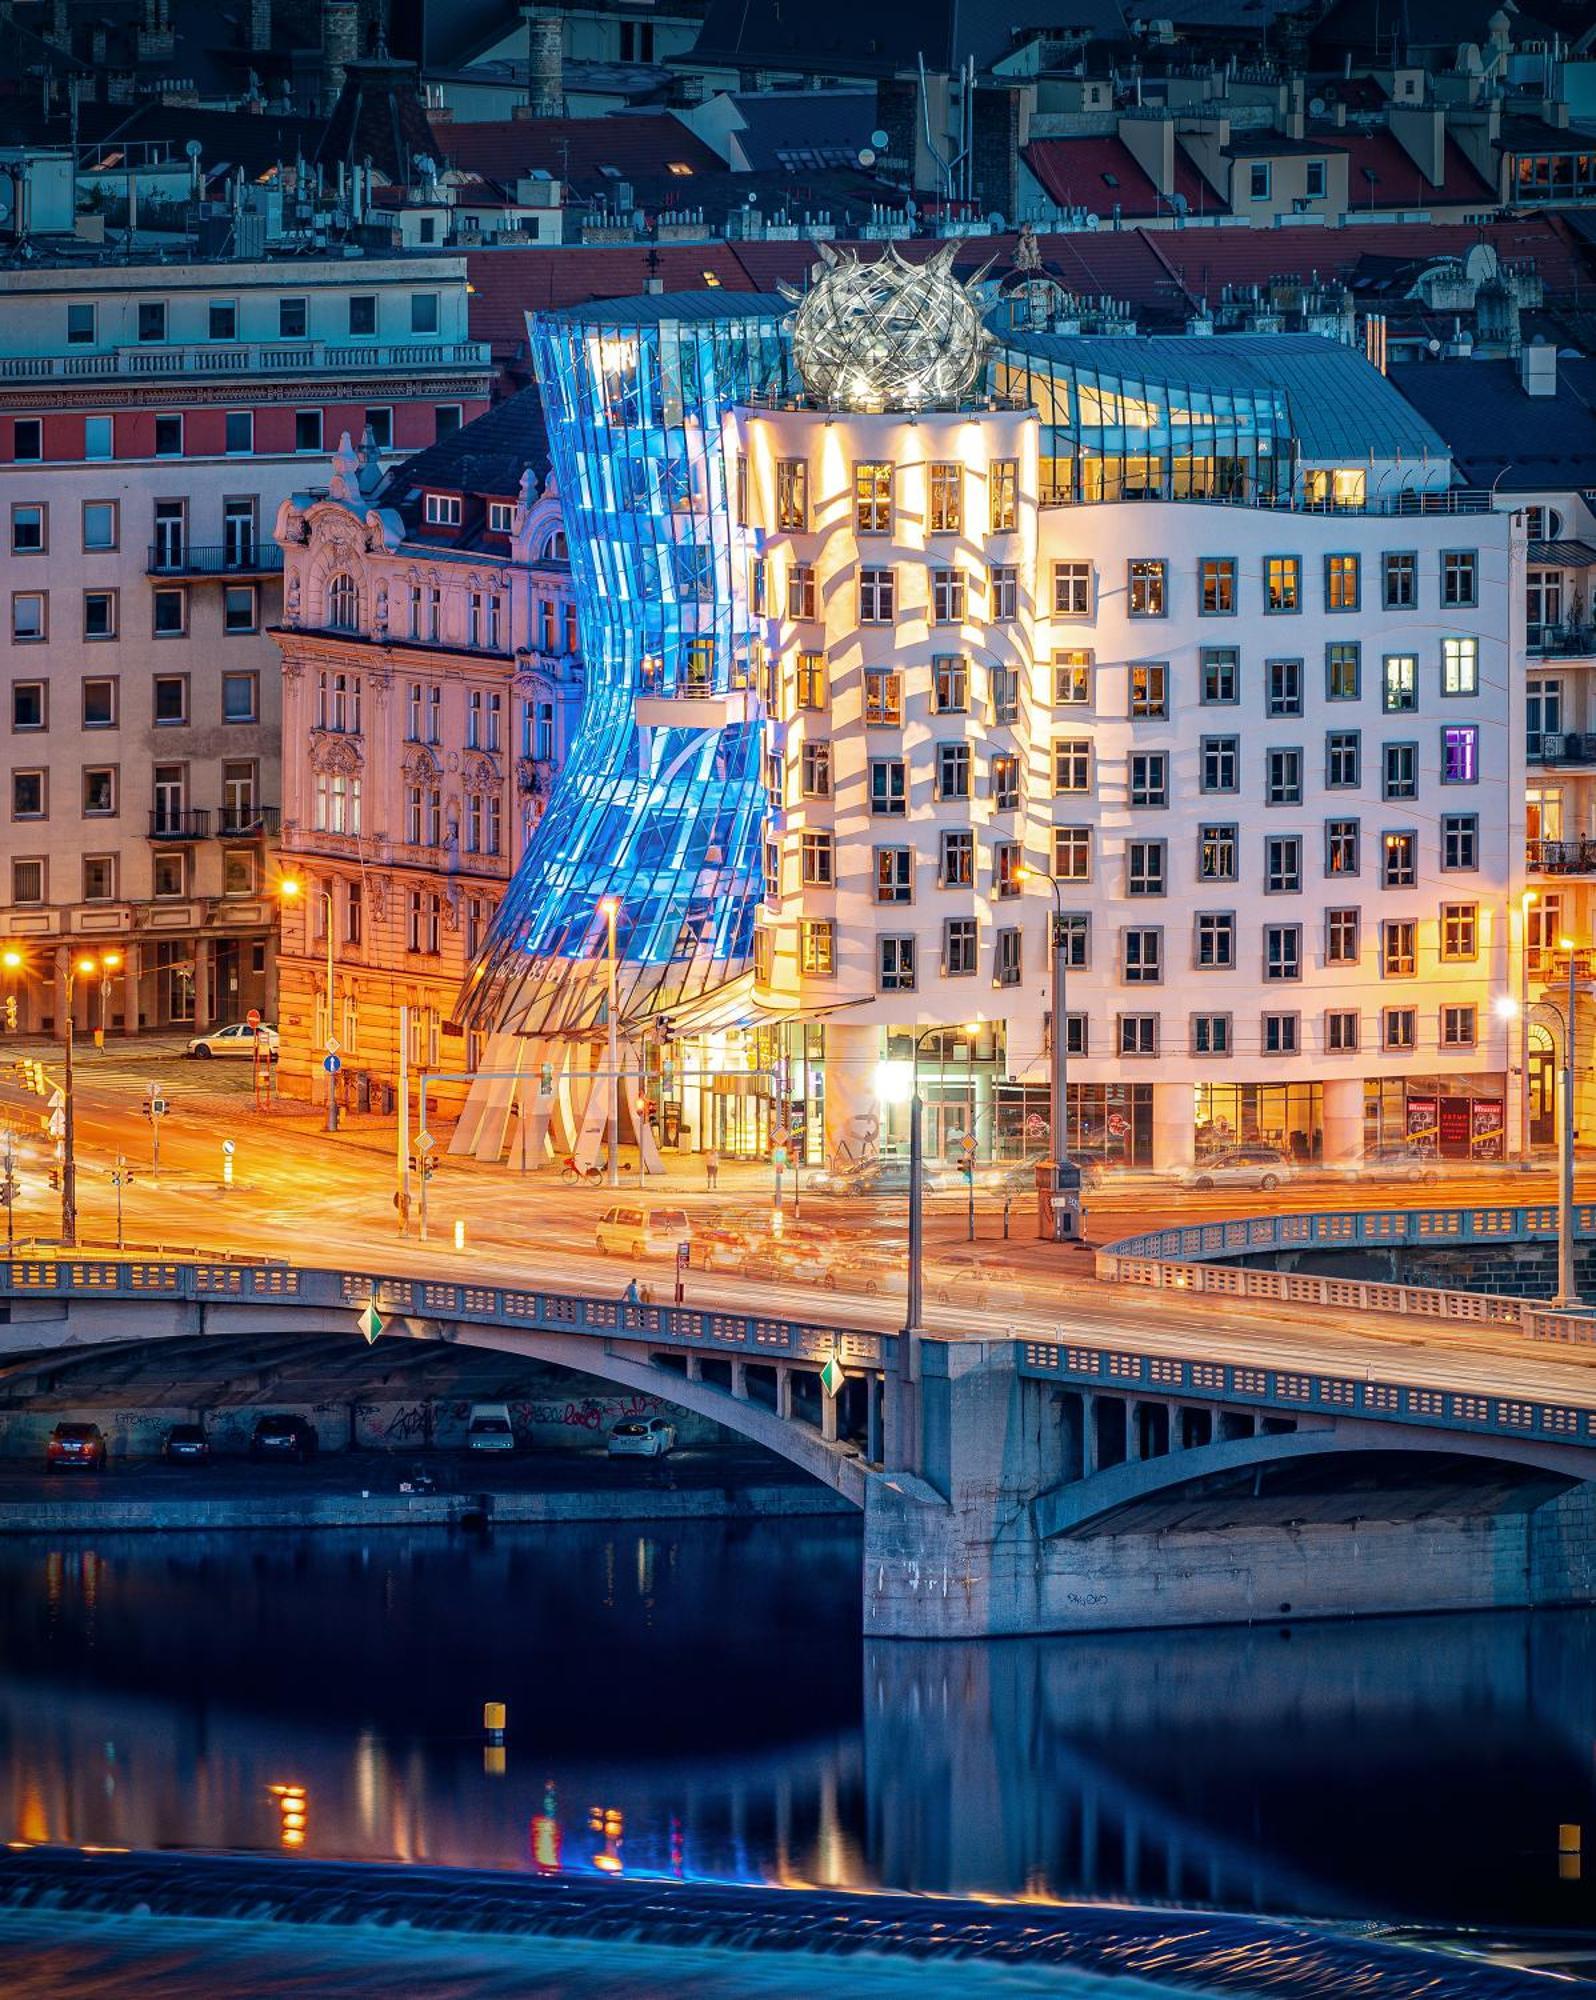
(546, 1080)
(967, 1159)
(55, 1179)
(11, 1013)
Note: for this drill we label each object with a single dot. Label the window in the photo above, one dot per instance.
(1342, 583)
(1146, 587)
(950, 684)
(99, 878)
(1343, 670)
(1460, 841)
(1138, 1034)
(1341, 937)
(1399, 579)
(1149, 778)
(894, 875)
(895, 964)
(1459, 933)
(817, 947)
(240, 611)
(379, 422)
(222, 323)
(1221, 676)
(338, 703)
(152, 319)
(363, 314)
(1399, 861)
(1283, 683)
(947, 596)
(238, 438)
(959, 947)
(1216, 586)
(1006, 958)
(1004, 491)
(28, 795)
(28, 705)
(241, 697)
(1399, 1026)
(1072, 853)
(1283, 778)
(27, 881)
(889, 788)
(292, 319)
(169, 699)
(1072, 590)
(946, 498)
(30, 529)
(1400, 778)
(1074, 933)
(29, 616)
(343, 603)
(1282, 951)
(1282, 583)
(1072, 679)
(956, 869)
(1341, 847)
(1460, 754)
(818, 859)
(80, 323)
(423, 312)
(792, 495)
(1210, 1034)
(441, 510)
(1143, 957)
(1216, 940)
(1258, 179)
(1216, 853)
(98, 437)
(811, 680)
(1149, 691)
(1278, 1034)
(170, 875)
(1145, 867)
(27, 439)
(446, 419)
(1460, 582)
(815, 771)
(1460, 666)
(875, 597)
(1316, 173)
(953, 771)
(1343, 760)
(1003, 591)
(99, 703)
(872, 498)
(169, 436)
(801, 590)
(1072, 764)
(1219, 763)
(99, 792)
(1283, 864)
(1458, 1027)
(100, 526)
(1004, 772)
(307, 430)
(1341, 1031)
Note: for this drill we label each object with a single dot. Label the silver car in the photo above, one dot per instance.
(642, 1437)
(1261, 1167)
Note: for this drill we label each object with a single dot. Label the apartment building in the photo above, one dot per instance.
(431, 681)
(153, 417)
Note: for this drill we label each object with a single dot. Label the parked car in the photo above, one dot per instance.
(238, 1040)
(76, 1445)
(489, 1428)
(1394, 1163)
(642, 1437)
(969, 1278)
(284, 1437)
(638, 1229)
(857, 1270)
(1261, 1167)
(187, 1444)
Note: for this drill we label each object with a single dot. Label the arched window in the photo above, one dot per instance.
(556, 548)
(343, 603)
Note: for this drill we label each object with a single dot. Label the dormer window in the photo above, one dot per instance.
(501, 517)
(680, 169)
(442, 510)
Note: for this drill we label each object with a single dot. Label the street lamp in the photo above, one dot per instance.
(1567, 1289)
(1529, 896)
(1066, 1176)
(610, 909)
(90, 965)
(291, 888)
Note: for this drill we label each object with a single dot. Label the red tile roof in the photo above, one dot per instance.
(1398, 182)
(1076, 173)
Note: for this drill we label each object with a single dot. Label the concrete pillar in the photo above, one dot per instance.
(1133, 1432)
(783, 1392)
(739, 1381)
(1177, 1428)
(130, 991)
(1088, 1433)
(695, 1366)
(1174, 1128)
(828, 1417)
(1343, 1121)
(873, 1419)
(202, 985)
(852, 1120)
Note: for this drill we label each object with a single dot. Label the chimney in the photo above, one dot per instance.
(1420, 130)
(260, 24)
(545, 81)
(340, 35)
(60, 26)
(1537, 369)
(155, 31)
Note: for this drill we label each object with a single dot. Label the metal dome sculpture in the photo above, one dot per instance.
(890, 335)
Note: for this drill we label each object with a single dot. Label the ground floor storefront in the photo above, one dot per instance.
(120, 985)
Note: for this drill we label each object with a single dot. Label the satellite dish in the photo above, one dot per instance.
(867, 156)
(1094, 222)
(1179, 203)
(1480, 265)
(1316, 106)
(880, 141)
(193, 149)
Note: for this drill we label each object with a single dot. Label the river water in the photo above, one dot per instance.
(693, 1701)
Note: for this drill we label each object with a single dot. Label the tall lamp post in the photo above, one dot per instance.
(610, 909)
(1567, 1288)
(90, 965)
(291, 888)
(1065, 1178)
(1529, 896)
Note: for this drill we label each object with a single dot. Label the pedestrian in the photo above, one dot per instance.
(711, 1170)
(631, 1296)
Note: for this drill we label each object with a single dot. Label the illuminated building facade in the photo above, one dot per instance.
(1197, 628)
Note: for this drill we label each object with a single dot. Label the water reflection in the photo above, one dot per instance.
(695, 1701)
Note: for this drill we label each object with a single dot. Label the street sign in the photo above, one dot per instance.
(779, 1157)
(228, 1148)
(252, 1018)
(156, 1108)
(56, 1099)
(423, 1142)
(780, 1136)
(331, 1065)
(331, 1045)
(369, 1322)
(56, 1124)
(831, 1376)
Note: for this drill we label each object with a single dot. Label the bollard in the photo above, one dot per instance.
(459, 1234)
(493, 1764)
(493, 1719)
(1569, 1844)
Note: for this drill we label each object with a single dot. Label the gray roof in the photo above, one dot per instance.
(714, 302)
(1501, 437)
(787, 127)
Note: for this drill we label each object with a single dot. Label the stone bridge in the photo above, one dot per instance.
(1025, 1484)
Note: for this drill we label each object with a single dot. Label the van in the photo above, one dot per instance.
(638, 1229)
(489, 1428)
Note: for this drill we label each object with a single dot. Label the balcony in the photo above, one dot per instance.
(1560, 857)
(1560, 642)
(1561, 747)
(215, 559)
(248, 822)
(180, 823)
(232, 360)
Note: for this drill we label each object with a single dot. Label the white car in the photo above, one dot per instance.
(238, 1040)
(490, 1428)
(642, 1437)
(635, 1229)
(1261, 1167)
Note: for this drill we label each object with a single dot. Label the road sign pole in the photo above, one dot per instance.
(404, 1119)
(425, 1176)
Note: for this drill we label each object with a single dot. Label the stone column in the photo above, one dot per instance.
(1088, 1433)
(1343, 1121)
(202, 984)
(873, 1419)
(852, 1120)
(739, 1381)
(130, 991)
(828, 1417)
(1174, 1128)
